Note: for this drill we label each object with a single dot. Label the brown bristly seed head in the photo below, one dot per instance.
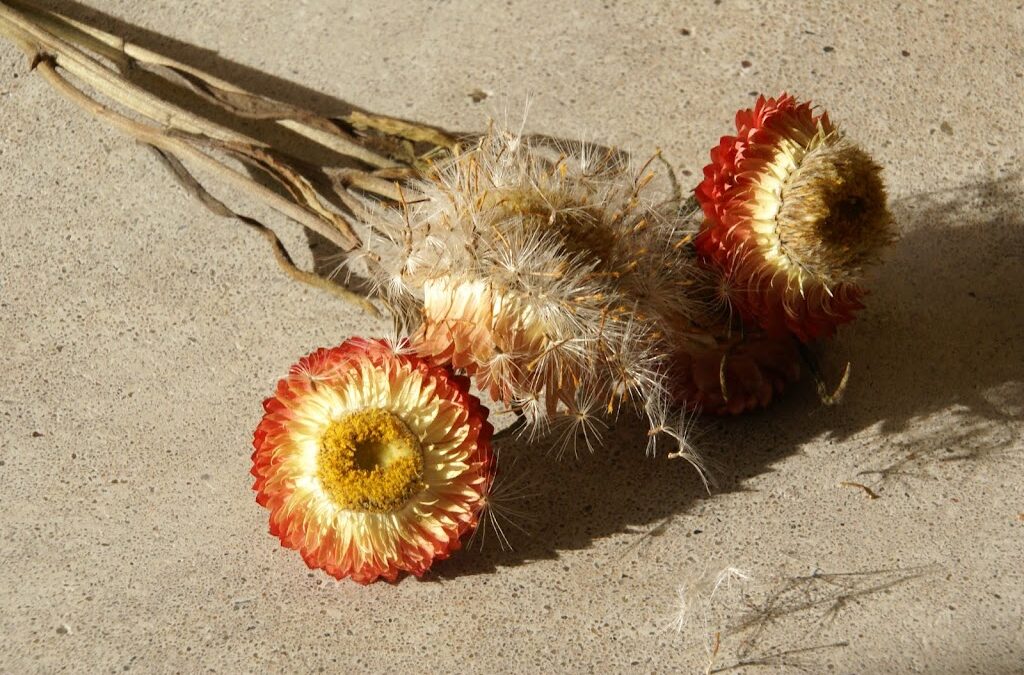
(834, 219)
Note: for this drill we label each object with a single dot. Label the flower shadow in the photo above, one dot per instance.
(938, 369)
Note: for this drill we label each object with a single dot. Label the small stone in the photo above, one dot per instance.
(905, 53)
(686, 32)
(745, 63)
(478, 95)
(946, 128)
(37, 434)
(63, 629)
(828, 49)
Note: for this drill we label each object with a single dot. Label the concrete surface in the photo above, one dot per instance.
(140, 335)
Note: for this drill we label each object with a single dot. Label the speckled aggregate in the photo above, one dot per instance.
(140, 335)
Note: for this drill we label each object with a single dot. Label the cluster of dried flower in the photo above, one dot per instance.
(570, 283)
(552, 274)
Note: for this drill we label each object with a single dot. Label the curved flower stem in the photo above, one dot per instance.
(171, 147)
(99, 65)
(107, 81)
(55, 43)
(828, 396)
(281, 255)
(176, 146)
(316, 128)
(49, 52)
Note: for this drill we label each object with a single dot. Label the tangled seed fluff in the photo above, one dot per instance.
(548, 273)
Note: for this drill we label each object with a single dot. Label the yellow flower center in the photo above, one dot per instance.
(370, 461)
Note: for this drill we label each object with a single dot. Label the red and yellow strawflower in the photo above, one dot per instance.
(372, 462)
(793, 212)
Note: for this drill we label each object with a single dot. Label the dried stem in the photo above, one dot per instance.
(281, 255)
(90, 67)
(49, 52)
(241, 102)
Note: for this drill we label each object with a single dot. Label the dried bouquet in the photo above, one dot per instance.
(560, 282)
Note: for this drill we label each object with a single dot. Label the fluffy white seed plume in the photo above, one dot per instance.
(546, 272)
(696, 607)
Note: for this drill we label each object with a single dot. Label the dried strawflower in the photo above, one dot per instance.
(371, 462)
(721, 375)
(793, 212)
(544, 272)
(563, 278)
(718, 365)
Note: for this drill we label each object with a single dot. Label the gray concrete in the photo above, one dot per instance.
(140, 335)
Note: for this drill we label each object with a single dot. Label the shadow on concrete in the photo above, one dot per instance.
(940, 342)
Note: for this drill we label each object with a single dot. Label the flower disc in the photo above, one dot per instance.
(371, 462)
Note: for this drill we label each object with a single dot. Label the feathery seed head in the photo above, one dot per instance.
(544, 272)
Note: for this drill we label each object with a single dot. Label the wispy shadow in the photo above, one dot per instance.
(780, 622)
(808, 602)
